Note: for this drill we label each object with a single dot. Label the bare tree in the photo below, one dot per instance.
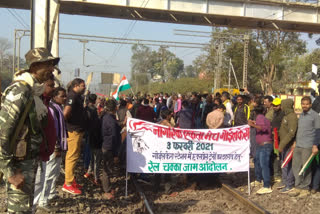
(5, 46)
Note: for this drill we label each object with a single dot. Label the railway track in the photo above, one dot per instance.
(229, 201)
(255, 208)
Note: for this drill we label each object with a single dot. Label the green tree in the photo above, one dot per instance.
(277, 49)
(190, 71)
(175, 68)
(141, 64)
(147, 63)
(181, 85)
(269, 52)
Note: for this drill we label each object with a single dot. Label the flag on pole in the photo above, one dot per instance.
(307, 164)
(276, 141)
(287, 159)
(314, 77)
(123, 85)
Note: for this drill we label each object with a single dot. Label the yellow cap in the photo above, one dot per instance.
(276, 101)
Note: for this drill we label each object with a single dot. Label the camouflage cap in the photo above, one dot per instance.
(40, 55)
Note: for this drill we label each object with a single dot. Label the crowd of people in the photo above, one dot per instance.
(43, 126)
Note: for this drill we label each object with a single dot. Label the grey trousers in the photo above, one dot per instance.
(46, 177)
(300, 157)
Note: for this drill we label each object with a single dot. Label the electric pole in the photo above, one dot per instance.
(245, 61)
(84, 42)
(218, 69)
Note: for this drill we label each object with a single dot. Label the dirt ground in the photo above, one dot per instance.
(204, 198)
(91, 200)
(274, 202)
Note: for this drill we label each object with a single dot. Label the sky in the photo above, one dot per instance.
(71, 51)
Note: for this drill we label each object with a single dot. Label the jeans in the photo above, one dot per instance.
(316, 178)
(287, 173)
(262, 164)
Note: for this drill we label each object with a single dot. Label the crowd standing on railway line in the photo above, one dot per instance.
(43, 125)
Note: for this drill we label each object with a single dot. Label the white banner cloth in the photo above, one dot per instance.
(153, 148)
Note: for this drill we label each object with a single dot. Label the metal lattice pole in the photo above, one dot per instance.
(245, 61)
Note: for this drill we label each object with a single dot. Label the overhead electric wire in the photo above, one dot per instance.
(131, 42)
(136, 40)
(21, 23)
(18, 15)
(193, 51)
(116, 51)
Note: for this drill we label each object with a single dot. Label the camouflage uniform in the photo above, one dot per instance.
(13, 103)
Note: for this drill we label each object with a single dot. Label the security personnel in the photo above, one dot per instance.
(22, 117)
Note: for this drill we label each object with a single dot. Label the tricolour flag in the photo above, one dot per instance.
(287, 159)
(123, 85)
(276, 141)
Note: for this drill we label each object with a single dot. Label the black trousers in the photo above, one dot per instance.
(107, 159)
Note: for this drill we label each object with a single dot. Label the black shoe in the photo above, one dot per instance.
(144, 180)
(55, 198)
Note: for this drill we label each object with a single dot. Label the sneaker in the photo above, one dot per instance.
(286, 190)
(54, 197)
(264, 190)
(46, 209)
(108, 196)
(74, 183)
(314, 191)
(87, 175)
(277, 179)
(304, 193)
(71, 189)
(294, 193)
(281, 186)
(256, 183)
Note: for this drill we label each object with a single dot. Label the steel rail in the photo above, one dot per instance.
(244, 201)
(143, 197)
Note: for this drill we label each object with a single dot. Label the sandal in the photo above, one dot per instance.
(108, 196)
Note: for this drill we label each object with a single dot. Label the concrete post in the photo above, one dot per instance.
(45, 25)
(39, 23)
(54, 28)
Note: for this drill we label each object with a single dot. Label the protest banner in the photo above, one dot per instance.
(153, 148)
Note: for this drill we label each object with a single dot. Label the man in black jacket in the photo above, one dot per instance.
(316, 102)
(94, 138)
(185, 120)
(277, 116)
(110, 144)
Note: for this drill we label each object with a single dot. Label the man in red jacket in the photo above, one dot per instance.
(145, 112)
(44, 167)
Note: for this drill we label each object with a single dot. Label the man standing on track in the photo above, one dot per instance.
(74, 114)
(22, 118)
(308, 137)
